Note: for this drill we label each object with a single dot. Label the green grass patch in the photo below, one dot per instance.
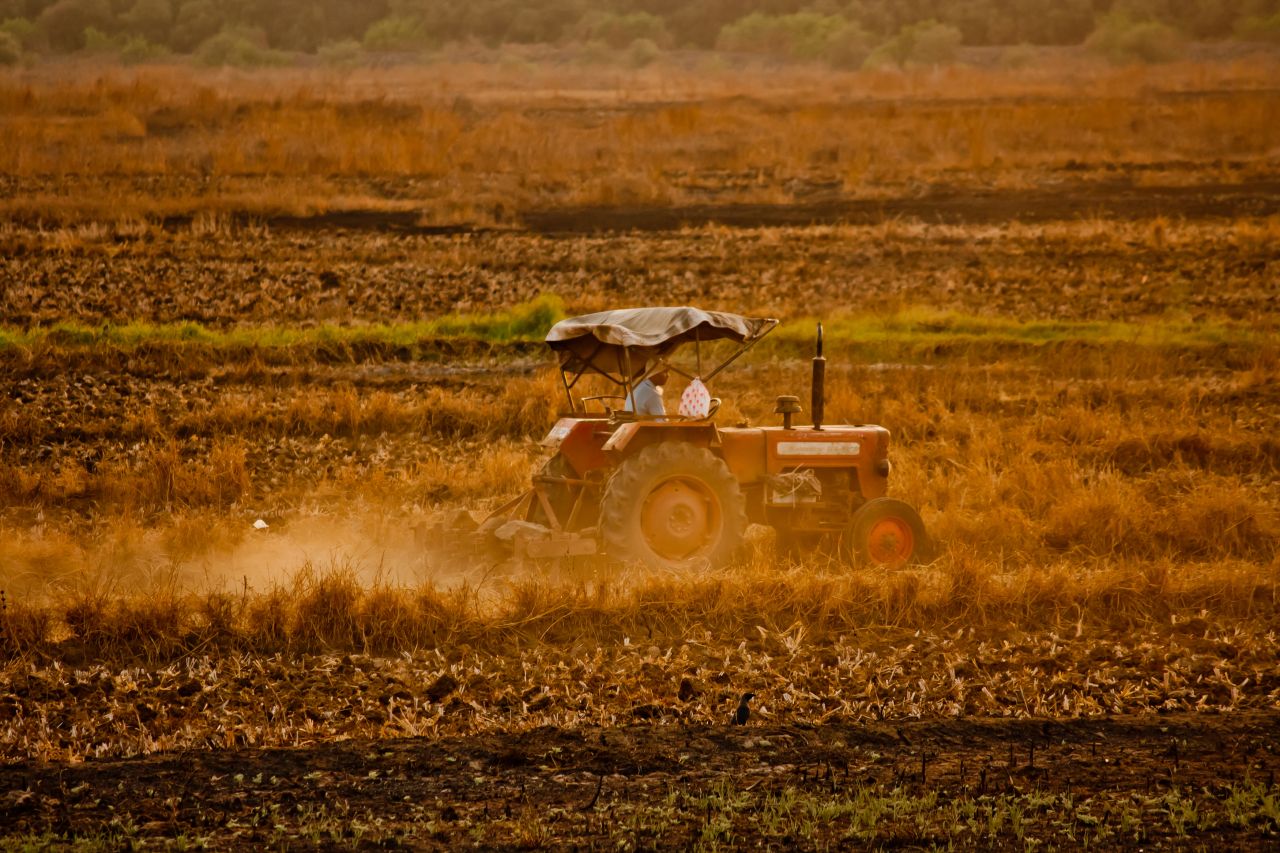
(931, 327)
(523, 323)
(528, 321)
(886, 335)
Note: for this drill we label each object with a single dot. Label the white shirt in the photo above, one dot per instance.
(646, 399)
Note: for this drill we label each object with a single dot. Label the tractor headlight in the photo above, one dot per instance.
(883, 467)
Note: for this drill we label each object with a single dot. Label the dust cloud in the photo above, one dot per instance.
(231, 555)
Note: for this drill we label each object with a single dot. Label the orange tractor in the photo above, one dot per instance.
(678, 490)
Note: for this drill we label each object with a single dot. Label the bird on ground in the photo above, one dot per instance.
(743, 713)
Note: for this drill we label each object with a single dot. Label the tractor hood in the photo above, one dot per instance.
(597, 341)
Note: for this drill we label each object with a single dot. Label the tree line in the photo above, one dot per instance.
(842, 32)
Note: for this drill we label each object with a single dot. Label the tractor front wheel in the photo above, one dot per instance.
(673, 505)
(888, 533)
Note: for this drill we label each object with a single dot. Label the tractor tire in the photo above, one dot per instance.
(887, 533)
(673, 505)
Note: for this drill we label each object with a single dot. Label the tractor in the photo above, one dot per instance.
(678, 490)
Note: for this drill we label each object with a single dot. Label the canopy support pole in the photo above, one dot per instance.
(746, 346)
(626, 376)
(568, 393)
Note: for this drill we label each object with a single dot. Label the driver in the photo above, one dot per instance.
(646, 398)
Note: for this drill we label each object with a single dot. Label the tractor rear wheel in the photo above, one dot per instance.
(673, 505)
(888, 533)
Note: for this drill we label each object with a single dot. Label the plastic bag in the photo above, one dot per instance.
(695, 402)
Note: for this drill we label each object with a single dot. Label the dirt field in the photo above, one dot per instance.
(1061, 299)
(1120, 782)
(1114, 254)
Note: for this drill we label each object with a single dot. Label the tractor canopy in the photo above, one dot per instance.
(626, 344)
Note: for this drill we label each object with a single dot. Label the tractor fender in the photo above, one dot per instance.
(579, 441)
(640, 434)
(563, 428)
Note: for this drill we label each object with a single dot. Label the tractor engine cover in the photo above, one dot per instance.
(829, 447)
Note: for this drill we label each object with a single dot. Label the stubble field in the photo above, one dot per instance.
(1059, 295)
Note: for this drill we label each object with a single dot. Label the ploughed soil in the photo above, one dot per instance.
(940, 204)
(1118, 199)
(1115, 780)
(1109, 248)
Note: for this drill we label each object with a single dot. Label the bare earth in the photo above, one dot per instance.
(584, 786)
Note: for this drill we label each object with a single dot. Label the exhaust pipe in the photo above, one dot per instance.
(819, 384)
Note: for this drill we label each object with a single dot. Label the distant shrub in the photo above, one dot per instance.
(395, 33)
(238, 49)
(926, 43)
(196, 22)
(96, 41)
(755, 33)
(848, 47)
(882, 57)
(1018, 56)
(932, 43)
(10, 49)
(595, 53)
(622, 31)
(25, 31)
(345, 52)
(1121, 39)
(642, 52)
(1259, 28)
(150, 19)
(65, 23)
(803, 36)
(138, 49)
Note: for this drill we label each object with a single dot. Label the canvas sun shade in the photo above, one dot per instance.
(597, 342)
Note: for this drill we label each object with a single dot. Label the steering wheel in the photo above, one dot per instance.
(607, 409)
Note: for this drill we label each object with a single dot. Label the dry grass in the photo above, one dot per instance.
(163, 143)
(1092, 488)
(946, 641)
(109, 617)
(157, 478)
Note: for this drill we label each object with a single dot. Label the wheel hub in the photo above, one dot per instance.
(890, 542)
(679, 518)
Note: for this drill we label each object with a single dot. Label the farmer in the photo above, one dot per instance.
(646, 398)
